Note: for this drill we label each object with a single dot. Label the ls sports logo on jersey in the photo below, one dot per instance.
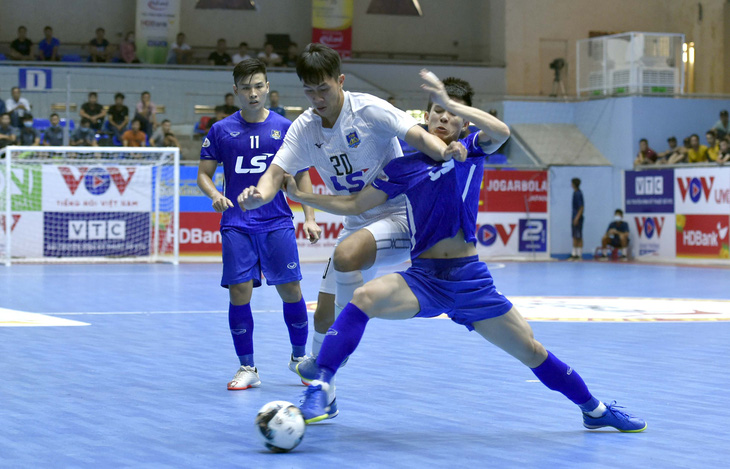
(352, 139)
(276, 134)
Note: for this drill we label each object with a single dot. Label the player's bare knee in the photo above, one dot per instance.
(289, 292)
(363, 298)
(346, 260)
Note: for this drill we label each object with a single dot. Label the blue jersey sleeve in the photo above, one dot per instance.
(208, 150)
(471, 143)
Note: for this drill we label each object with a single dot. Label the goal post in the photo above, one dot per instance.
(89, 204)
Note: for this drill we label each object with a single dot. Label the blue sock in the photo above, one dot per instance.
(295, 316)
(341, 340)
(240, 321)
(558, 376)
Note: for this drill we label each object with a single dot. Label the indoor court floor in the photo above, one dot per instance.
(126, 365)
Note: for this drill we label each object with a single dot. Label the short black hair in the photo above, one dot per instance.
(54, 114)
(272, 92)
(22, 27)
(243, 44)
(228, 94)
(100, 29)
(137, 120)
(47, 28)
(672, 139)
(456, 88)
(93, 93)
(166, 120)
(246, 68)
(723, 113)
(694, 135)
(220, 40)
(317, 63)
(644, 140)
(711, 132)
(144, 93)
(28, 117)
(118, 95)
(575, 182)
(5, 114)
(618, 210)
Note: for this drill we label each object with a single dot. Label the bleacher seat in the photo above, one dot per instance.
(2, 57)
(41, 124)
(71, 58)
(71, 126)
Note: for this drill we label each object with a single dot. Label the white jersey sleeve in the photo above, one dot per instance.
(292, 157)
(387, 119)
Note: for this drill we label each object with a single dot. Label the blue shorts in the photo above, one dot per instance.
(577, 230)
(462, 288)
(245, 256)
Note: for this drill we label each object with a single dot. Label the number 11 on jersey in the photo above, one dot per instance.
(254, 141)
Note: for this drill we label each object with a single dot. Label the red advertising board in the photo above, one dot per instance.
(702, 236)
(200, 233)
(514, 191)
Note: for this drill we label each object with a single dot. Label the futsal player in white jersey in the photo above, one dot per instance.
(348, 138)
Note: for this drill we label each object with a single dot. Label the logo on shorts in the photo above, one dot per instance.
(235, 134)
(570, 370)
(206, 143)
(352, 139)
(331, 332)
(276, 134)
(291, 265)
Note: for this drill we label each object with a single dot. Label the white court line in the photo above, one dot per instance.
(112, 313)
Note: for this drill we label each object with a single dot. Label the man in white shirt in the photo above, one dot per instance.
(268, 56)
(180, 51)
(242, 53)
(17, 107)
(348, 138)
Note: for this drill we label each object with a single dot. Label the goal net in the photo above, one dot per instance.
(89, 204)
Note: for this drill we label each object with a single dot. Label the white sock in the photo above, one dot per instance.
(574, 251)
(347, 283)
(598, 411)
(317, 339)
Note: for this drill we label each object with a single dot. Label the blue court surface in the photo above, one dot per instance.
(126, 366)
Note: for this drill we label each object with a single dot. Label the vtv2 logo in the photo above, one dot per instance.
(649, 185)
(97, 179)
(696, 187)
(649, 225)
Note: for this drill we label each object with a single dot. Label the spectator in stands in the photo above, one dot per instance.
(242, 53)
(48, 46)
(219, 56)
(17, 106)
(274, 101)
(118, 116)
(128, 49)
(2, 107)
(724, 150)
(53, 135)
(646, 155)
(292, 53)
(229, 107)
(680, 156)
(93, 111)
(8, 133)
(28, 134)
(135, 137)
(84, 135)
(665, 156)
(164, 136)
(22, 47)
(722, 127)
(617, 235)
(697, 153)
(268, 56)
(219, 115)
(100, 50)
(713, 146)
(180, 51)
(146, 113)
(577, 221)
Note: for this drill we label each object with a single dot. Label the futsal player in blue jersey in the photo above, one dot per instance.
(261, 241)
(446, 275)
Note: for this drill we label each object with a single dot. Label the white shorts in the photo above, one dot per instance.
(393, 243)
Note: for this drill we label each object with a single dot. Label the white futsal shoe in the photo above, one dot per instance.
(246, 377)
(294, 361)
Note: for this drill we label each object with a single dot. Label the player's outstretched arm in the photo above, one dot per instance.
(353, 204)
(256, 196)
(311, 228)
(433, 146)
(206, 171)
(492, 131)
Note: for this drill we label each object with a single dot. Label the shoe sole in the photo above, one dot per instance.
(321, 417)
(305, 381)
(255, 385)
(595, 427)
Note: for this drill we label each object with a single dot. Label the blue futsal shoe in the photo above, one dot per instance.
(307, 369)
(319, 402)
(613, 417)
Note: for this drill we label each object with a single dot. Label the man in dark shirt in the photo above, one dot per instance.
(21, 48)
(99, 48)
(53, 135)
(118, 116)
(577, 221)
(229, 107)
(274, 101)
(84, 134)
(93, 111)
(219, 56)
(8, 133)
(28, 134)
(617, 235)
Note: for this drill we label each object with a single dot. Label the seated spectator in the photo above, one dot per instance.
(646, 155)
(292, 54)
(22, 47)
(242, 53)
(697, 153)
(84, 135)
(268, 56)
(163, 136)
(53, 135)
(617, 235)
(128, 49)
(28, 134)
(118, 116)
(724, 150)
(93, 111)
(48, 46)
(2, 107)
(665, 156)
(134, 137)
(17, 106)
(722, 127)
(274, 101)
(681, 155)
(713, 146)
(229, 107)
(219, 116)
(100, 50)
(219, 56)
(146, 113)
(180, 52)
(8, 133)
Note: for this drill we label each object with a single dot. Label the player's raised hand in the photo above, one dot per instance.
(456, 151)
(250, 199)
(433, 85)
(221, 204)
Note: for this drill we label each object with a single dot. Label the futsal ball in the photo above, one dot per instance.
(280, 425)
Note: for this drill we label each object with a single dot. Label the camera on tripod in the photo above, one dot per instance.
(557, 65)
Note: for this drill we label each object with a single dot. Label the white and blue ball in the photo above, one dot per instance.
(280, 425)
